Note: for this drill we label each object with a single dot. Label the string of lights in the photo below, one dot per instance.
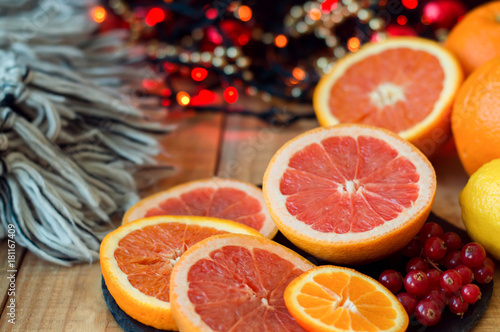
(274, 51)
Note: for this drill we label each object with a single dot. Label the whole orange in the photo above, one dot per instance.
(475, 119)
(476, 38)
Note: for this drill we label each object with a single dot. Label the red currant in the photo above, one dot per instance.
(452, 240)
(417, 263)
(489, 261)
(470, 293)
(429, 230)
(428, 312)
(412, 249)
(457, 305)
(416, 283)
(473, 254)
(452, 259)
(450, 281)
(466, 274)
(484, 274)
(408, 301)
(437, 295)
(392, 280)
(433, 276)
(435, 248)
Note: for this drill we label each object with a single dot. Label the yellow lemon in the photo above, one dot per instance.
(480, 201)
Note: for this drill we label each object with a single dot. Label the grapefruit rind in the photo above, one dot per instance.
(350, 248)
(144, 308)
(422, 132)
(138, 210)
(311, 324)
(183, 310)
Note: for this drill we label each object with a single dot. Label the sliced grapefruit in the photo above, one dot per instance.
(350, 193)
(235, 282)
(137, 261)
(338, 299)
(405, 84)
(216, 197)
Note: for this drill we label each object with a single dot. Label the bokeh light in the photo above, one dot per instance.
(99, 14)
(353, 44)
(154, 16)
(199, 74)
(183, 98)
(230, 95)
(299, 74)
(410, 4)
(315, 14)
(244, 13)
(402, 20)
(211, 13)
(281, 41)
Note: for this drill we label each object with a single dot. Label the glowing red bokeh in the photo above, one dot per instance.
(230, 95)
(154, 16)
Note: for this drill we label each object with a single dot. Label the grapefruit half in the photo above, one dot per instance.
(215, 197)
(235, 282)
(349, 194)
(137, 261)
(404, 84)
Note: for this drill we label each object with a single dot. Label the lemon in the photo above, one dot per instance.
(480, 202)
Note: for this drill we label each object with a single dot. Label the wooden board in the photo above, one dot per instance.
(248, 145)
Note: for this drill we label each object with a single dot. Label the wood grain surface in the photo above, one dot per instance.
(54, 298)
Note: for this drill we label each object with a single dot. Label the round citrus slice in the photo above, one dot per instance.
(137, 261)
(405, 84)
(338, 299)
(350, 193)
(235, 282)
(216, 197)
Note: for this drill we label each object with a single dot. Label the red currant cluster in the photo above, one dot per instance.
(429, 289)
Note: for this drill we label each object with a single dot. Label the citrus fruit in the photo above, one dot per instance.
(480, 202)
(331, 298)
(137, 261)
(475, 118)
(475, 39)
(234, 282)
(350, 193)
(404, 84)
(216, 197)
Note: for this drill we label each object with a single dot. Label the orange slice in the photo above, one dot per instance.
(331, 298)
(349, 194)
(216, 197)
(406, 85)
(234, 282)
(137, 261)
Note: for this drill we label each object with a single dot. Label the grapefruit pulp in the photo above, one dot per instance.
(235, 282)
(216, 197)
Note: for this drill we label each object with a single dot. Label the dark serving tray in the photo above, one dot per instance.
(449, 322)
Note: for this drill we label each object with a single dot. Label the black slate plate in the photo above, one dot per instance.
(449, 322)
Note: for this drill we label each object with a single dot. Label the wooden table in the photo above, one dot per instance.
(54, 298)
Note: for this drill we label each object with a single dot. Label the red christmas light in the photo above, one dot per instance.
(155, 15)
(231, 95)
(204, 97)
(199, 74)
(243, 40)
(402, 20)
(211, 13)
(410, 4)
(327, 5)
